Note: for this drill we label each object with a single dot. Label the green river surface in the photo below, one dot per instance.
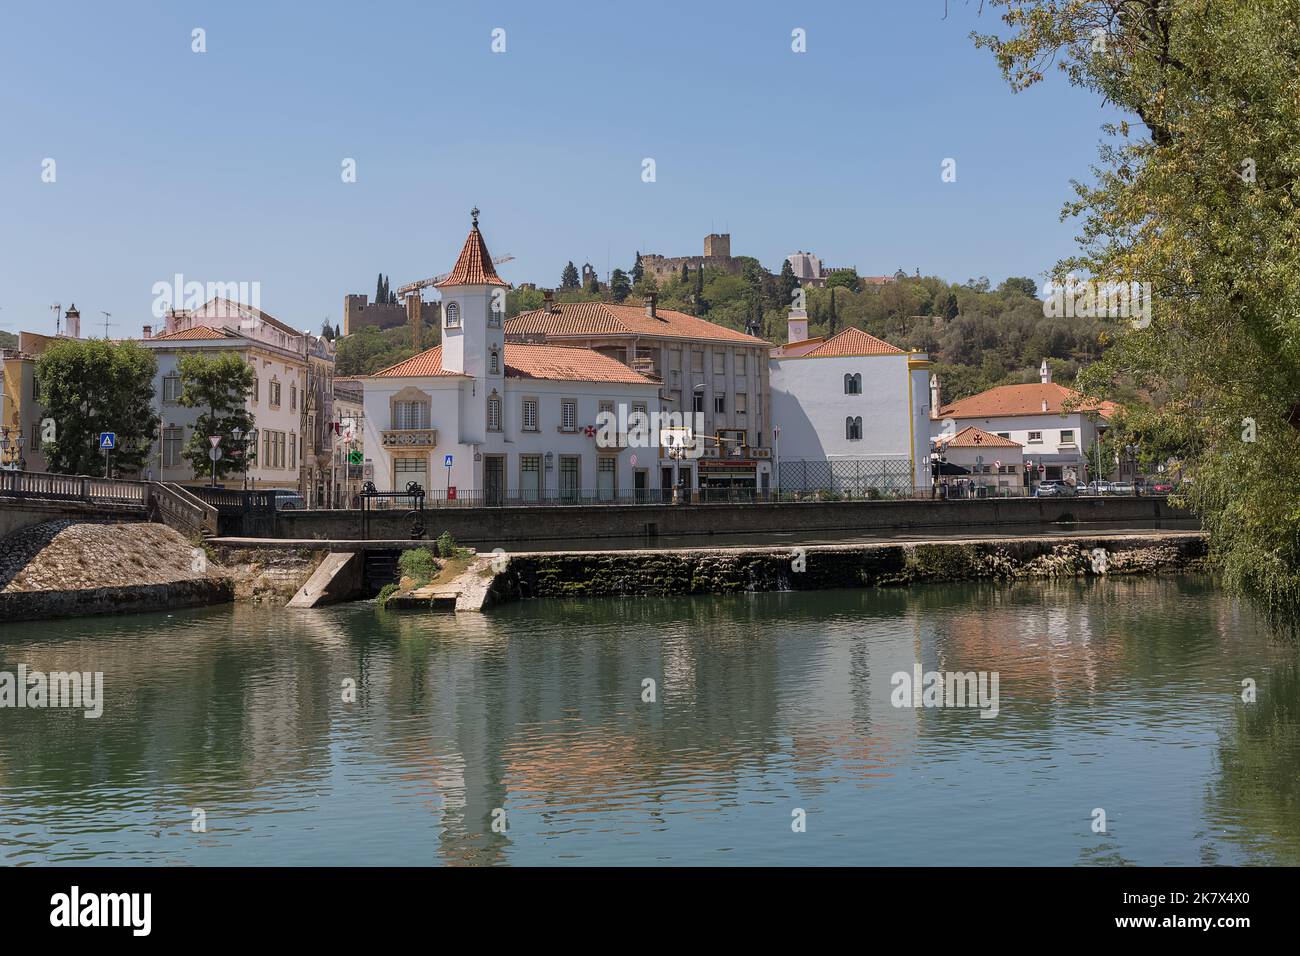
(1120, 694)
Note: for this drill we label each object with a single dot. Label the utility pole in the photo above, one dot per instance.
(58, 314)
(107, 316)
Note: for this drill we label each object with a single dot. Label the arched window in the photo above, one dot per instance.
(853, 384)
(494, 363)
(494, 412)
(853, 428)
(453, 315)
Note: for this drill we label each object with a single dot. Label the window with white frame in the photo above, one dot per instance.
(1067, 436)
(452, 313)
(494, 363)
(172, 388)
(173, 438)
(410, 415)
(1036, 437)
(568, 416)
(530, 415)
(494, 413)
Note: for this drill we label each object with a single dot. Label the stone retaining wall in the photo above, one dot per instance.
(723, 571)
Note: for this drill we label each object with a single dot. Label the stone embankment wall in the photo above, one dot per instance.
(267, 575)
(723, 571)
(71, 568)
(486, 528)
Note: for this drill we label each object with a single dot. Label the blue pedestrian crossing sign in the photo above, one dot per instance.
(107, 440)
(446, 461)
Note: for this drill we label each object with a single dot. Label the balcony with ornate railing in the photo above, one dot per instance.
(409, 438)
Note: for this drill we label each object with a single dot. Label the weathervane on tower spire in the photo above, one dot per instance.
(474, 213)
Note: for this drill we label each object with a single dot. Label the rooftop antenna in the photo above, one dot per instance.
(107, 316)
(58, 314)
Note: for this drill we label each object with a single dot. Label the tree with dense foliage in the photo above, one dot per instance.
(638, 271)
(89, 386)
(619, 286)
(843, 279)
(787, 284)
(569, 278)
(1198, 197)
(217, 385)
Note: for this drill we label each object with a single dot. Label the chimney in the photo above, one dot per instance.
(1045, 373)
(796, 325)
(148, 331)
(1044, 405)
(548, 301)
(72, 323)
(650, 301)
(936, 401)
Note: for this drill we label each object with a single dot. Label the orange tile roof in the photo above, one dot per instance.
(194, 332)
(567, 364)
(796, 349)
(588, 319)
(972, 437)
(428, 362)
(853, 341)
(1008, 400)
(549, 362)
(474, 265)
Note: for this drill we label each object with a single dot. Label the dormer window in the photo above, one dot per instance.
(453, 315)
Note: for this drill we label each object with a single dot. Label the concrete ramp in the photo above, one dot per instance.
(337, 578)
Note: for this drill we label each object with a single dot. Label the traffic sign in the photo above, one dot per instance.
(355, 457)
(214, 454)
(107, 440)
(214, 440)
(446, 461)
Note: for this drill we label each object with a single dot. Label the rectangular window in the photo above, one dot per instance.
(1036, 437)
(293, 397)
(530, 477)
(568, 416)
(697, 404)
(720, 403)
(257, 390)
(569, 482)
(172, 388)
(1067, 436)
(605, 475)
(530, 414)
(719, 363)
(697, 361)
(274, 395)
(293, 449)
(1004, 435)
(494, 415)
(742, 403)
(172, 439)
(410, 415)
(266, 449)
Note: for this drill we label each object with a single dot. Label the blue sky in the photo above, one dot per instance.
(225, 165)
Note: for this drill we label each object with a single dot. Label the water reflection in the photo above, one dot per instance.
(1121, 694)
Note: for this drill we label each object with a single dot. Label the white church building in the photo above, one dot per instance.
(510, 421)
(852, 412)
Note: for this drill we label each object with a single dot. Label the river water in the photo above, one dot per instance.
(771, 737)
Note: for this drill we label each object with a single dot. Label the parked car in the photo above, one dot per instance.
(286, 499)
(1055, 489)
(1099, 487)
(1162, 488)
(1121, 488)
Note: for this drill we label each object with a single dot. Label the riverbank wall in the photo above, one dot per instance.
(486, 528)
(734, 570)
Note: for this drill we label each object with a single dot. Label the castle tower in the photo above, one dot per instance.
(473, 325)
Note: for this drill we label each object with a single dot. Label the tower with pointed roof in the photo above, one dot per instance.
(473, 327)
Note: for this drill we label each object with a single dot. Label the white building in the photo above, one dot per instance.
(278, 356)
(1055, 425)
(994, 464)
(853, 412)
(515, 421)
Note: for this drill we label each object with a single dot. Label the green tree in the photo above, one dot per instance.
(1019, 285)
(638, 272)
(89, 386)
(569, 278)
(619, 286)
(686, 272)
(1197, 197)
(218, 386)
(786, 284)
(843, 279)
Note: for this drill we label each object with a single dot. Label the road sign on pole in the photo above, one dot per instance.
(107, 440)
(214, 441)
